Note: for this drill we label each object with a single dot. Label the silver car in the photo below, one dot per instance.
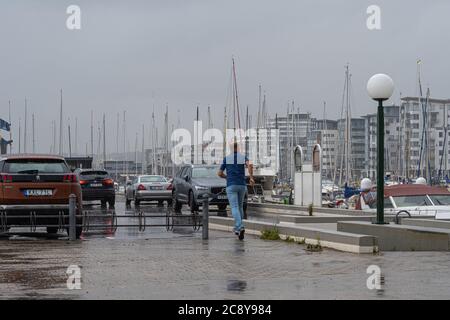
(148, 188)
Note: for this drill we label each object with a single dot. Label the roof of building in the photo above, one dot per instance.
(432, 100)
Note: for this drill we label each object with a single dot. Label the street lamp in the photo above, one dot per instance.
(380, 88)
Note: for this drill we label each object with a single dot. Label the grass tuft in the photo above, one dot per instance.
(270, 234)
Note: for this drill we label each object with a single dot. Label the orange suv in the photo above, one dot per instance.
(38, 187)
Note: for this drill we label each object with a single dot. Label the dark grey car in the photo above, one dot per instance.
(193, 181)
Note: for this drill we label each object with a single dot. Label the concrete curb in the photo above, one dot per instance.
(342, 241)
(395, 237)
(293, 209)
(428, 223)
(322, 219)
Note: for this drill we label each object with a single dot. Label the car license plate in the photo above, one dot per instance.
(156, 188)
(222, 197)
(38, 192)
(96, 185)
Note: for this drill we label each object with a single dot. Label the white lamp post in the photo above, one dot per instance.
(380, 88)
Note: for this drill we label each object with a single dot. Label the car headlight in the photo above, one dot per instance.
(201, 188)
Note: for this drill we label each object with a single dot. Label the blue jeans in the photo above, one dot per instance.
(236, 195)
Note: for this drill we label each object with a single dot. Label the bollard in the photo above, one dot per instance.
(205, 218)
(72, 219)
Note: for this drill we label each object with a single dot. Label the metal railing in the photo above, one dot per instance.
(397, 220)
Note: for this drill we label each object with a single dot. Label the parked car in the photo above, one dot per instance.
(97, 185)
(148, 188)
(36, 186)
(193, 181)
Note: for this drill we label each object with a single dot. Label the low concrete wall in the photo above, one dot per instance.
(322, 219)
(428, 223)
(293, 209)
(393, 237)
(355, 243)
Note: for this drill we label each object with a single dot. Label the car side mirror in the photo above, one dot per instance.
(186, 178)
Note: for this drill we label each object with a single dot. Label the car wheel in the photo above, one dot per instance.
(127, 202)
(160, 203)
(169, 202)
(192, 204)
(103, 204)
(52, 230)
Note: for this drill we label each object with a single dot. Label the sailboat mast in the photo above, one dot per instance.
(135, 154)
(209, 118)
(166, 141)
(246, 133)
(173, 163)
(236, 97)
(347, 130)
(225, 122)
(25, 129)
(422, 102)
(32, 128)
(54, 137)
(264, 113)
(324, 138)
(117, 144)
(10, 131)
(125, 165)
(76, 136)
(259, 107)
(104, 140)
(233, 84)
(70, 144)
(153, 144)
(20, 137)
(289, 144)
(143, 151)
(292, 139)
(427, 133)
(92, 134)
(99, 143)
(60, 150)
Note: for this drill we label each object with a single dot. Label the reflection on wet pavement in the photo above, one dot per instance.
(157, 264)
(236, 285)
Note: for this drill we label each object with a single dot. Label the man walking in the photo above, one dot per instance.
(234, 164)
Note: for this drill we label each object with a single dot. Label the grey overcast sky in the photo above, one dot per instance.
(140, 55)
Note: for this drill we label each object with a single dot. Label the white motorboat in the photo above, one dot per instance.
(416, 199)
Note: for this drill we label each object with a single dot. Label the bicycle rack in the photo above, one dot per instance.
(3, 221)
(172, 219)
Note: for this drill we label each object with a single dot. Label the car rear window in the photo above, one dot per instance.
(94, 173)
(205, 172)
(153, 179)
(31, 166)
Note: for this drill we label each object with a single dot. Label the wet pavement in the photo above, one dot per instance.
(178, 264)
